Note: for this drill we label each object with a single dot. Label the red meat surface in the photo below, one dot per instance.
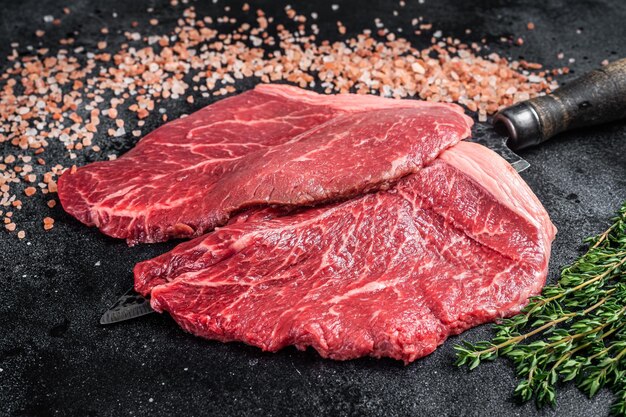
(272, 145)
(461, 242)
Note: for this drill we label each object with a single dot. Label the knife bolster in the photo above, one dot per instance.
(521, 124)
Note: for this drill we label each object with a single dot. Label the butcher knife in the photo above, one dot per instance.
(595, 98)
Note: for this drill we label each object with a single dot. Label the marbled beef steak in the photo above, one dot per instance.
(393, 273)
(275, 144)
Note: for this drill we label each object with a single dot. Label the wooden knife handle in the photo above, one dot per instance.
(597, 97)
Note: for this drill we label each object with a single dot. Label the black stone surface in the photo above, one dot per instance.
(56, 360)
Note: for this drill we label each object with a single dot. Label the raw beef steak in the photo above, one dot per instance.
(394, 273)
(273, 145)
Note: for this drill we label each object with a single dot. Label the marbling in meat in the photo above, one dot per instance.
(275, 144)
(461, 242)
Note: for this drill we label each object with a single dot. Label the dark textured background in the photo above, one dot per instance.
(56, 360)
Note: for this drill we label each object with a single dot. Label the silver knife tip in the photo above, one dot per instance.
(521, 165)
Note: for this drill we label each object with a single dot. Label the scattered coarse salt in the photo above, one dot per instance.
(341, 28)
(48, 223)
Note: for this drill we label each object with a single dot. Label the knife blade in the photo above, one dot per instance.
(129, 306)
(485, 135)
(132, 305)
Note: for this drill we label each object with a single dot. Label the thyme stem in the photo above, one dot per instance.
(549, 324)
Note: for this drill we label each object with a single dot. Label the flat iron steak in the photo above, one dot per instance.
(389, 274)
(275, 144)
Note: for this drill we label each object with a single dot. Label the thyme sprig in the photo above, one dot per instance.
(574, 331)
